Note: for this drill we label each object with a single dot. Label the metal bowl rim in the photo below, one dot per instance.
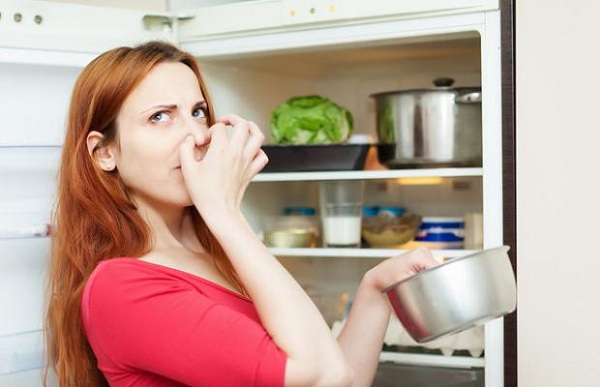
(442, 265)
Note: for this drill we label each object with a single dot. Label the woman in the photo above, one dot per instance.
(157, 278)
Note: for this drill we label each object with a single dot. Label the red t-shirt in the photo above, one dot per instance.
(150, 325)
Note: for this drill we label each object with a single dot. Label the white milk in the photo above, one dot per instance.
(341, 230)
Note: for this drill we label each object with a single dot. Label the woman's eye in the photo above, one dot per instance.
(159, 117)
(199, 113)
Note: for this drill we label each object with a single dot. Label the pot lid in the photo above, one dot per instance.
(441, 84)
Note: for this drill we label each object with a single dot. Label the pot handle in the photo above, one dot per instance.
(474, 97)
(443, 82)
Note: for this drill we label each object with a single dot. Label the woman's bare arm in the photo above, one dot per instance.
(362, 336)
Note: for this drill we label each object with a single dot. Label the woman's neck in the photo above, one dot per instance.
(172, 227)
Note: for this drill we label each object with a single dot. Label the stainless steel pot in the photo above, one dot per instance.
(440, 126)
(456, 295)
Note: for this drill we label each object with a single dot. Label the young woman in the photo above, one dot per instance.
(156, 278)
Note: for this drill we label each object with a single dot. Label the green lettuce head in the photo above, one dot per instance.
(310, 120)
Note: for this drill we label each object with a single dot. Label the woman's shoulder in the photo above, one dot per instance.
(116, 262)
(123, 282)
(129, 272)
(118, 269)
(138, 277)
(126, 278)
(119, 263)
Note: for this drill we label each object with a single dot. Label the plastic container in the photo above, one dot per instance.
(304, 211)
(298, 227)
(306, 158)
(390, 211)
(441, 232)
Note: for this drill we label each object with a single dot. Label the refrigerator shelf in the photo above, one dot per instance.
(41, 230)
(433, 360)
(21, 352)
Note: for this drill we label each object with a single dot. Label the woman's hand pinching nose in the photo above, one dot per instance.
(191, 151)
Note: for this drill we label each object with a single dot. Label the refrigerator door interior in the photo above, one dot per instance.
(34, 99)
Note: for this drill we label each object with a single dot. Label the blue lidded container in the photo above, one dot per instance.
(306, 211)
(370, 211)
(442, 229)
(390, 211)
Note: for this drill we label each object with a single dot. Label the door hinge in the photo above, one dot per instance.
(164, 22)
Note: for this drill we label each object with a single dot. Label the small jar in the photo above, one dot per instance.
(296, 228)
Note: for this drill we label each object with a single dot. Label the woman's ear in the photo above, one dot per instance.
(102, 154)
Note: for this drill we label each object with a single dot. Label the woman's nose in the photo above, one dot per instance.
(198, 130)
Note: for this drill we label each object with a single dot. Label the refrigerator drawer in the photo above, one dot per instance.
(400, 375)
(21, 352)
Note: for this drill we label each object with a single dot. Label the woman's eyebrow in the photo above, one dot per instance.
(160, 107)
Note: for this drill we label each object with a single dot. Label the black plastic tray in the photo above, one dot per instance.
(307, 158)
(386, 154)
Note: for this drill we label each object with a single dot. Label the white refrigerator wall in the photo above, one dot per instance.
(557, 61)
(34, 102)
(158, 5)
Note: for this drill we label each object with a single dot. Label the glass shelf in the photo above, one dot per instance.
(24, 231)
(324, 252)
(368, 175)
(17, 160)
(21, 352)
(28, 175)
(433, 360)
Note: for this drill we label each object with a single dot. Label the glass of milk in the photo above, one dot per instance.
(340, 204)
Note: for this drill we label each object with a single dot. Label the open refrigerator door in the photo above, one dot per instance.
(293, 50)
(30, 138)
(34, 99)
(43, 47)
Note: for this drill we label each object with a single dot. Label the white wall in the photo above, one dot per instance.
(155, 5)
(558, 162)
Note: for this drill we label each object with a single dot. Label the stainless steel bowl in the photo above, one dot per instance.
(456, 295)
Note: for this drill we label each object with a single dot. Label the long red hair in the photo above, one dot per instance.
(94, 217)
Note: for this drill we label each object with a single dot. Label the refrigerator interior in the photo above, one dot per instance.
(253, 85)
(35, 100)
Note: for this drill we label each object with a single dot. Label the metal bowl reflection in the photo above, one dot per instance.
(455, 295)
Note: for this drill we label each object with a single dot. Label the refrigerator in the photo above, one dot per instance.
(256, 54)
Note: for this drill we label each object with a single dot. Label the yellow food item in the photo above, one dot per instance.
(386, 231)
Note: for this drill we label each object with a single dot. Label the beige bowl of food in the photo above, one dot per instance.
(384, 232)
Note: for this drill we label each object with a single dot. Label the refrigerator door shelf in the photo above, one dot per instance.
(21, 352)
(28, 176)
(33, 230)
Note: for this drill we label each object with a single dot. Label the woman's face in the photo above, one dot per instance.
(156, 117)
